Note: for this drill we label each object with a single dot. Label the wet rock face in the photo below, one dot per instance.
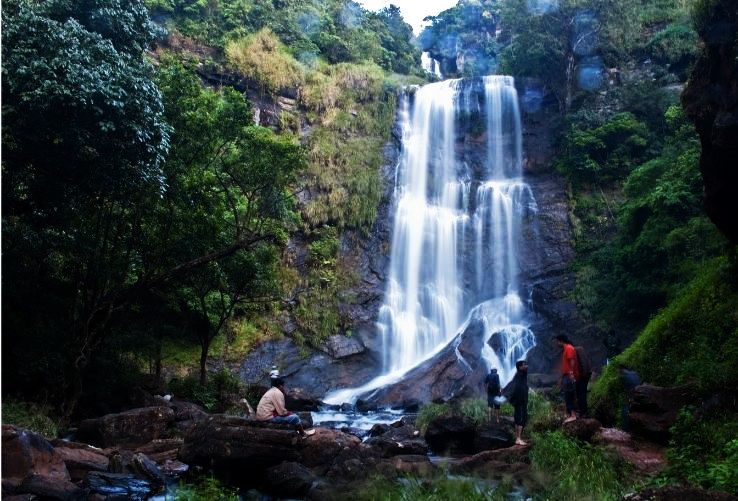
(654, 410)
(711, 101)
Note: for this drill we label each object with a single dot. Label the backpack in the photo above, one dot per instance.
(585, 366)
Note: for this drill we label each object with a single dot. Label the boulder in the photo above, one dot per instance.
(47, 487)
(379, 429)
(306, 418)
(647, 458)
(118, 485)
(162, 449)
(339, 346)
(582, 429)
(27, 454)
(129, 429)
(654, 410)
(186, 411)
(388, 447)
(236, 443)
(79, 461)
(145, 468)
(298, 400)
(322, 448)
(174, 469)
(288, 480)
(490, 437)
(451, 434)
(456, 371)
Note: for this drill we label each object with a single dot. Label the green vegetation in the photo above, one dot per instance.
(205, 489)
(219, 394)
(31, 416)
(332, 31)
(436, 489)
(469, 28)
(567, 469)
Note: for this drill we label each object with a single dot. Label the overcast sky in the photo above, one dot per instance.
(412, 10)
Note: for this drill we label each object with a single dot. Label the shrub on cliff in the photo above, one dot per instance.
(263, 58)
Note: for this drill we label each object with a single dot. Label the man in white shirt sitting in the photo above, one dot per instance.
(272, 408)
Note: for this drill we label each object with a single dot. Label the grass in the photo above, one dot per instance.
(566, 469)
(34, 417)
(262, 58)
(436, 489)
(205, 489)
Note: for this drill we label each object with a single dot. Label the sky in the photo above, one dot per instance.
(413, 11)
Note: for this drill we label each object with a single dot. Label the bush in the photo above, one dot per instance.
(262, 58)
(429, 412)
(570, 470)
(220, 392)
(475, 409)
(542, 416)
(31, 416)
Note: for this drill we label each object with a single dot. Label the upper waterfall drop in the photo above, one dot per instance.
(456, 229)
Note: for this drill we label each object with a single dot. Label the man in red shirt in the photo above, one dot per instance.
(569, 374)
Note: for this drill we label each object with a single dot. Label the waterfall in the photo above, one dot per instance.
(456, 228)
(431, 65)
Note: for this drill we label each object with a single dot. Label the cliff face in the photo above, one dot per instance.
(547, 252)
(711, 101)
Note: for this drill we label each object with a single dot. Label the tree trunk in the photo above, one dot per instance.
(204, 348)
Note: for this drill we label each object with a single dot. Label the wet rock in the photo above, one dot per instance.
(654, 410)
(161, 450)
(379, 429)
(118, 484)
(174, 469)
(494, 464)
(357, 432)
(130, 428)
(582, 429)
(27, 454)
(339, 346)
(364, 406)
(149, 470)
(347, 407)
(288, 480)
(454, 371)
(451, 434)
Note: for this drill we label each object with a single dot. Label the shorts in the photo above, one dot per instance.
(491, 402)
(521, 415)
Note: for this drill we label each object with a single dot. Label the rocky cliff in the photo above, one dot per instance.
(711, 101)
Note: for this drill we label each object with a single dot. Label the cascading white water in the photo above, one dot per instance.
(431, 65)
(456, 229)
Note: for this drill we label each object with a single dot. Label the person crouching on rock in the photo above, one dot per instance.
(518, 397)
(272, 408)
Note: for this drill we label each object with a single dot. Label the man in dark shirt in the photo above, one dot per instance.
(518, 397)
(493, 391)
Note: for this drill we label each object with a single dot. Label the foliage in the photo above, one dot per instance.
(205, 489)
(31, 416)
(604, 153)
(469, 28)
(693, 339)
(335, 31)
(220, 392)
(567, 469)
(475, 409)
(263, 58)
(429, 412)
(435, 489)
(542, 414)
(703, 449)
